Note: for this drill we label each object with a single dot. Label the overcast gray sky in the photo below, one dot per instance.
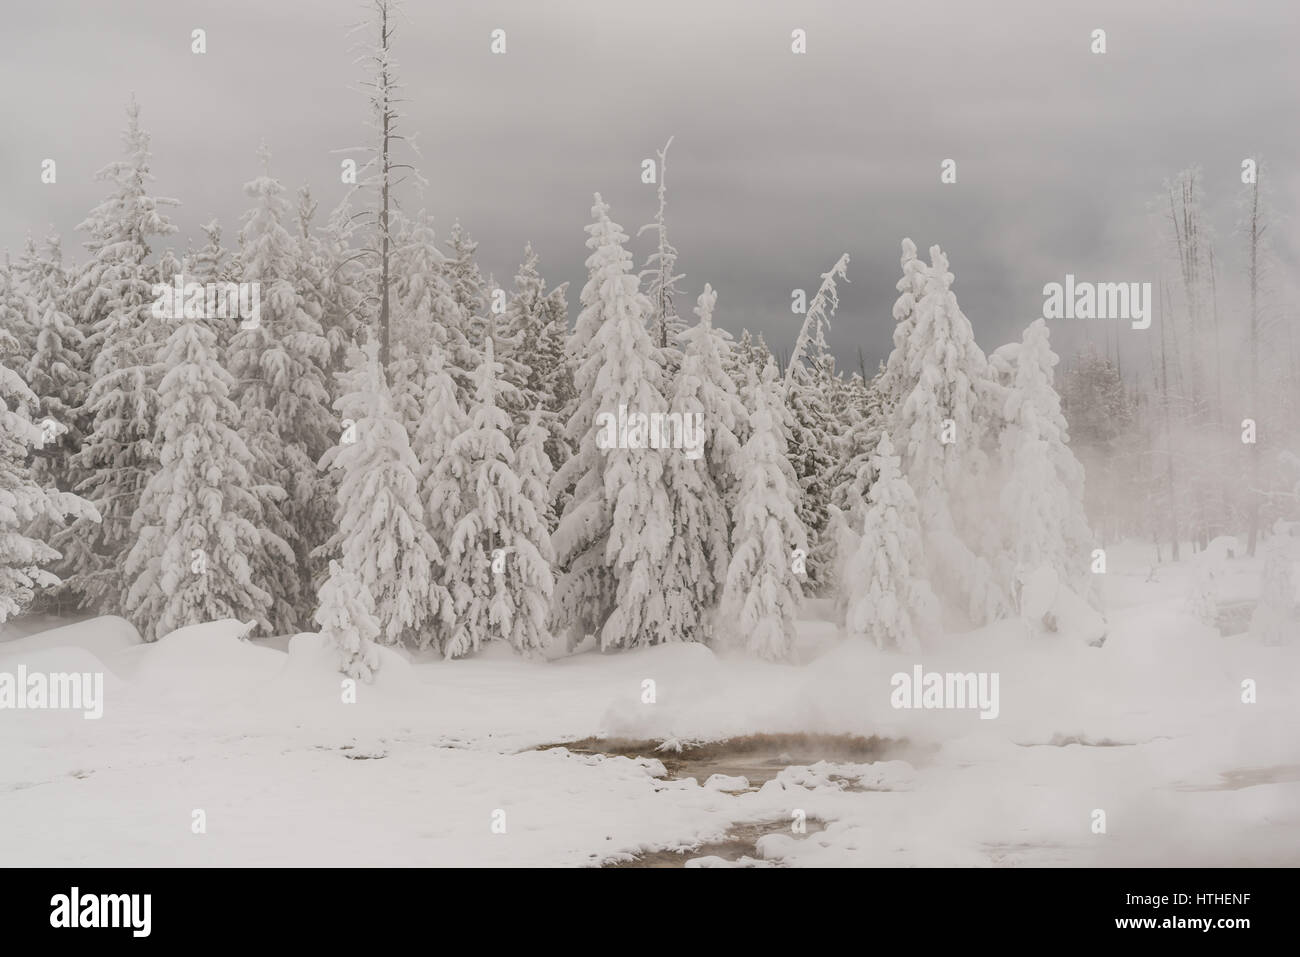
(780, 162)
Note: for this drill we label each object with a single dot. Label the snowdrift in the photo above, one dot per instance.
(207, 661)
(102, 637)
(311, 670)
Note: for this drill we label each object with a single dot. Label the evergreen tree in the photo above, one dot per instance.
(938, 383)
(440, 476)
(198, 525)
(533, 336)
(346, 615)
(812, 456)
(889, 601)
(468, 289)
(862, 421)
(613, 534)
(762, 592)
(556, 379)
(522, 331)
(532, 572)
(1042, 491)
(498, 561)
(898, 377)
(116, 294)
(24, 503)
(210, 264)
(427, 313)
(381, 537)
(13, 318)
(698, 551)
(706, 375)
(344, 287)
(854, 474)
(310, 264)
(54, 372)
(280, 360)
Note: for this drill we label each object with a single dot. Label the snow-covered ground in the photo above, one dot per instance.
(1149, 728)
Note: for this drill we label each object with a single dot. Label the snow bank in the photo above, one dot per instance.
(312, 670)
(206, 662)
(103, 637)
(64, 659)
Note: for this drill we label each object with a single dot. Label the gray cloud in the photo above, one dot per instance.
(780, 163)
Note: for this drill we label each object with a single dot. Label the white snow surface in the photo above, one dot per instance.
(1150, 727)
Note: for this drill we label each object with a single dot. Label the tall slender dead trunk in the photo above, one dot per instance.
(1254, 234)
(384, 92)
(1169, 438)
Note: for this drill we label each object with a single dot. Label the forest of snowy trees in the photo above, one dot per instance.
(394, 450)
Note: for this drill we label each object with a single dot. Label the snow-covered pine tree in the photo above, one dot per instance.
(613, 534)
(17, 288)
(897, 379)
(164, 272)
(889, 601)
(280, 364)
(345, 287)
(1042, 487)
(211, 263)
(498, 568)
(707, 361)
(381, 536)
(812, 455)
(939, 383)
(469, 290)
(406, 380)
(310, 263)
(198, 529)
(809, 417)
(533, 566)
(522, 331)
(115, 291)
(55, 372)
(427, 312)
(24, 503)
(13, 318)
(439, 475)
(862, 421)
(755, 352)
(465, 465)
(533, 337)
(762, 593)
(742, 358)
(346, 615)
(810, 344)
(557, 381)
(862, 426)
(699, 482)
(811, 420)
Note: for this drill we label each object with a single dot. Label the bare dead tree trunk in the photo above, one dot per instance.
(1169, 438)
(1254, 234)
(1224, 491)
(384, 91)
